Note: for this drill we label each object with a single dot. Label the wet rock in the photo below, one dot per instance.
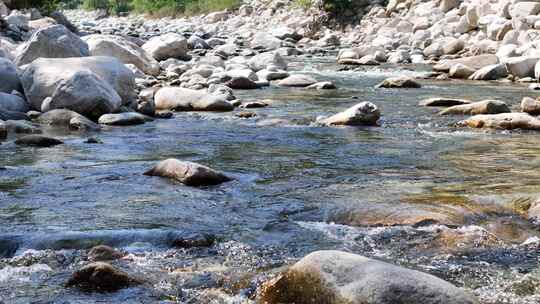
(124, 50)
(241, 83)
(9, 80)
(3, 130)
(193, 241)
(13, 103)
(104, 253)
(85, 93)
(42, 78)
(533, 213)
(480, 107)
(67, 119)
(254, 104)
(181, 99)
(101, 277)
(170, 45)
(38, 141)
(531, 106)
(21, 127)
(399, 82)
(93, 140)
(188, 173)
(323, 85)
(490, 72)
(297, 80)
(245, 114)
(11, 115)
(442, 102)
(362, 114)
(52, 42)
(506, 121)
(341, 277)
(123, 119)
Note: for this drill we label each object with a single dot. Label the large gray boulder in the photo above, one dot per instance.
(530, 105)
(521, 66)
(298, 80)
(490, 72)
(474, 62)
(188, 173)
(52, 42)
(182, 99)
(42, 78)
(15, 103)
(265, 41)
(9, 80)
(362, 114)
(123, 49)
(85, 93)
(334, 277)
(170, 45)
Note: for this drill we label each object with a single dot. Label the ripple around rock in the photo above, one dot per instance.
(339, 277)
(362, 114)
(188, 173)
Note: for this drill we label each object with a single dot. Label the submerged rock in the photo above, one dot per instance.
(38, 141)
(399, 82)
(339, 277)
(9, 80)
(101, 277)
(362, 114)
(507, 121)
(480, 107)
(442, 102)
(188, 173)
(181, 99)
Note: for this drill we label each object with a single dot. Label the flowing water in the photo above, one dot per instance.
(414, 191)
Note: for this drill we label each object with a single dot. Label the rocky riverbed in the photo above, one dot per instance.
(259, 156)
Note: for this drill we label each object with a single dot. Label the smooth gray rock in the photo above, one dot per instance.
(442, 102)
(265, 60)
(362, 114)
(188, 173)
(181, 99)
(297, 80)
(330, 276)
(475, 108)
(399, 82)
(490, 72)
(38, 141)
(505, 121)
(101, 277)
(123, 119)
(170, 45)
(52, 42)
(530, 105)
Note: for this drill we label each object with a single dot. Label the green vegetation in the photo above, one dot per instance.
(152, 7)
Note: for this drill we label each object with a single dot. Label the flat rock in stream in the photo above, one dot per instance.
(362, 114)
(443, 102)
(38, 141)
(399, 82)
(480, 107)
(188, 173)
(101, 277)
(297, 80)
(506, 121)
(63, 118)
(330, 276)
(104, 253)
(123, 119)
